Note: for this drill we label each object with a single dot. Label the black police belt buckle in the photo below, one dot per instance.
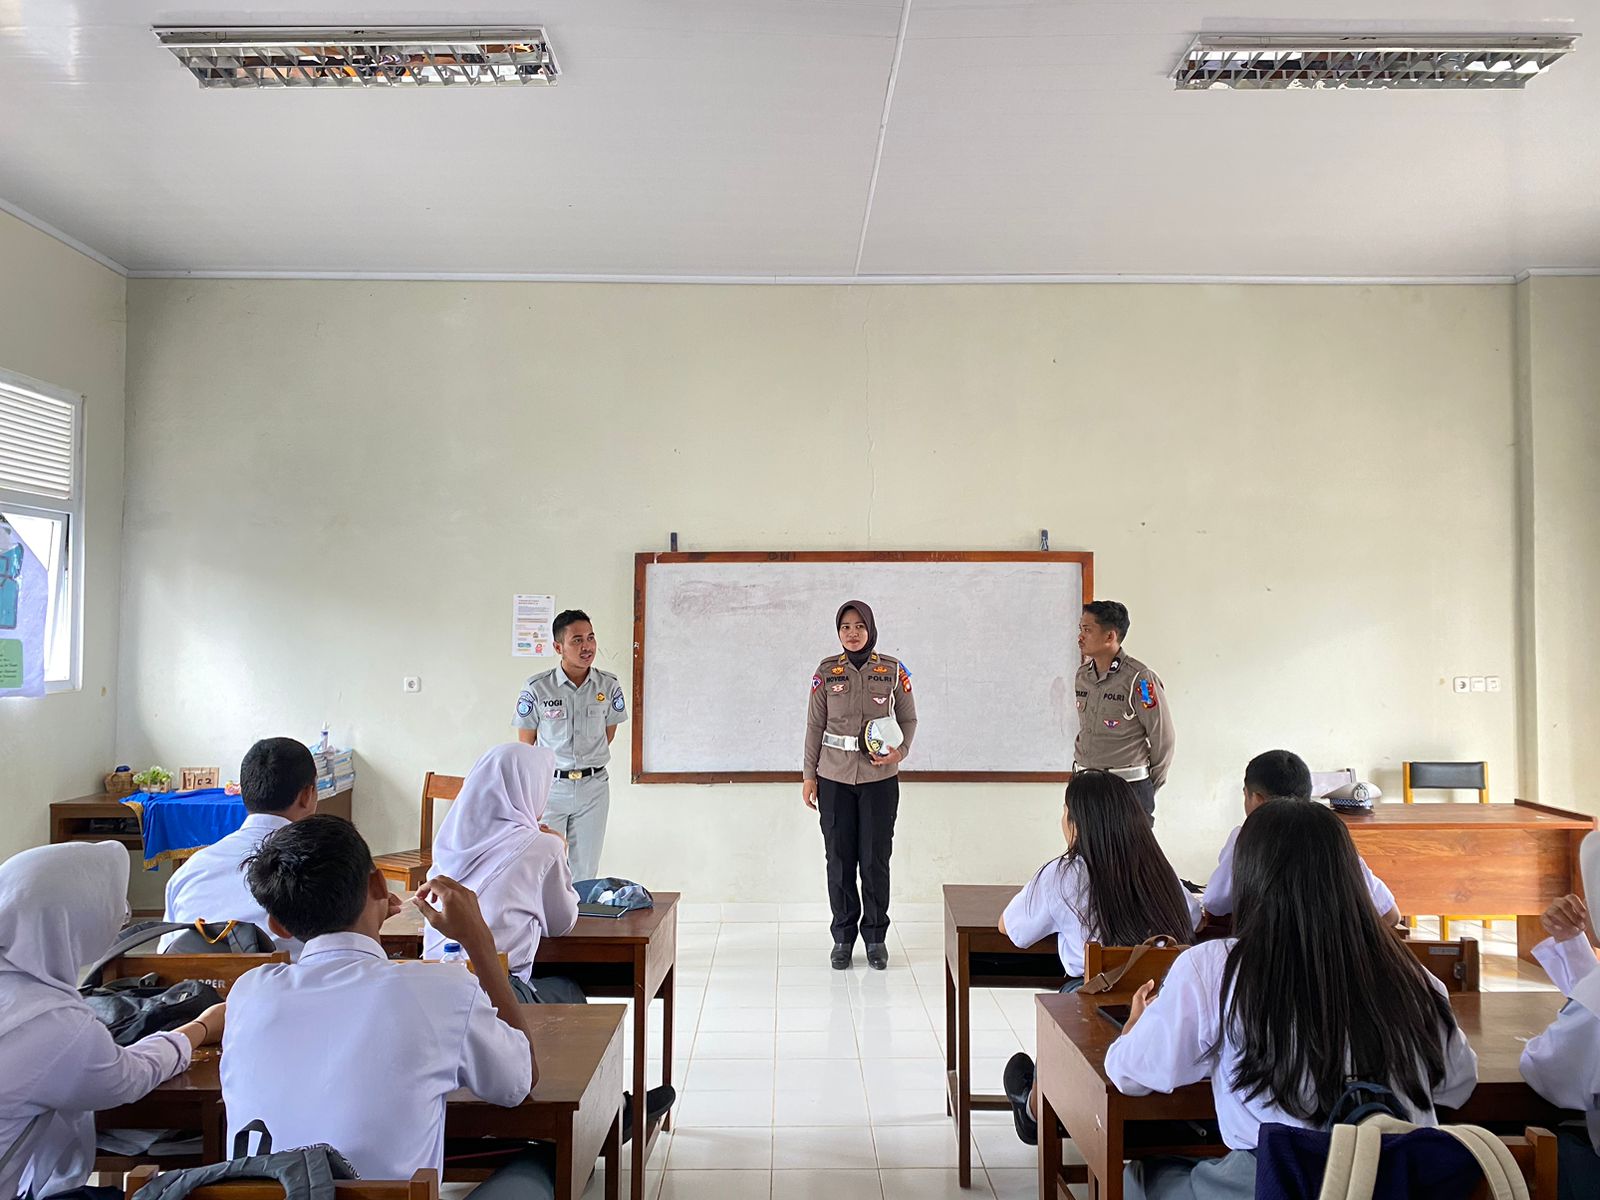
(578, 773)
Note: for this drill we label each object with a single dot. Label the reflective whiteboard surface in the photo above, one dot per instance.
(730, 649)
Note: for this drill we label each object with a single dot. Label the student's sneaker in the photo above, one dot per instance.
(656, 1103)
(877, 956)
(840, 958)
(1019, 1090)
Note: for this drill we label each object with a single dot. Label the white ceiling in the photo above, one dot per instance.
(741, 138)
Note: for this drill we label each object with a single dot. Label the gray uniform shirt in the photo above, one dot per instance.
(1123, 719)
(572, 718)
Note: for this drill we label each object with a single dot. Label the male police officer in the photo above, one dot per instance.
(1124, 725)
(573, 710)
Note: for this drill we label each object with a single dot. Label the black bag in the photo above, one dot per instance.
(135, 1008)
(305, 1174)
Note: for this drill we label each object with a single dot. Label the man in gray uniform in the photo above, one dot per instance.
(573, 711)
(1124, 724)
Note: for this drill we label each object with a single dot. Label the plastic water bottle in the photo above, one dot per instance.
(327, 745)
(453, 953)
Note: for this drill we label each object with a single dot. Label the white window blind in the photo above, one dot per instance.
(37, 454)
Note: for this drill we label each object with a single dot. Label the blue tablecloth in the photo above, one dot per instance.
(176, 824)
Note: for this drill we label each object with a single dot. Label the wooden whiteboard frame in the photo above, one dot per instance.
(642, 561)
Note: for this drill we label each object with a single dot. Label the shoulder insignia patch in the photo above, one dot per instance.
(1147, 693)
(905, 678)
(618, 703)
(816, 682)
(525, 704)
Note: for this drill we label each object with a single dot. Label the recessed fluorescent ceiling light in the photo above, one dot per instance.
(421, 56)
(1366, 61)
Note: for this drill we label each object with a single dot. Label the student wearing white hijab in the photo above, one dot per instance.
(60, 909)
(493, 841)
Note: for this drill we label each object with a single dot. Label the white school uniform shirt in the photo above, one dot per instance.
(1562, 1064)
(491, 842)
(1180, 1041)
(60, 908)
(211, 886)
(1218, 898)
(1055, 901)
(348, 1048)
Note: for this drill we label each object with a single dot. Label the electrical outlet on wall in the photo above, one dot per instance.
(411, 684)
(1462, 684)
(1494, 683)
(1479, 683)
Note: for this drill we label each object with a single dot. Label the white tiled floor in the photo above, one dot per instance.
(798, 1082)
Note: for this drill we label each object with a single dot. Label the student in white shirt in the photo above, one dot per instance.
(278, 784)
(1280, 775)
(60, 910)
(348, 1048)
(1113, 885)
(1562, 1064)
(493, 841)
(1312, 992)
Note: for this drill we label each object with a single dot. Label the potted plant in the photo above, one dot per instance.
(156, 780)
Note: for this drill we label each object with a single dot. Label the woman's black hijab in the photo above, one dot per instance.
(857, 657)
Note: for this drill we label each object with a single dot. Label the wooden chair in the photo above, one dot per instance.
(424, 1185)
(221, 971)
(1537, 1155)
(1455, 964)
(1153, 964)
(409, 868)
(1448, 777)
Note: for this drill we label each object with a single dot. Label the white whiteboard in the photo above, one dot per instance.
(729, 649)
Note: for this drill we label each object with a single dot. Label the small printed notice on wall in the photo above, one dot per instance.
(531, 618)
(23, 583)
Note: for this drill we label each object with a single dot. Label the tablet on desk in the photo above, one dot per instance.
(1117, 1014)
(612, 911)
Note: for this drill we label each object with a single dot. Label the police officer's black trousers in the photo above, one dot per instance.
(858, 833)
(1146, 793)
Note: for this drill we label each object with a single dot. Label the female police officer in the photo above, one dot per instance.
(856, 793)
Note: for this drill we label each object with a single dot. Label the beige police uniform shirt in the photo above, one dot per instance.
(1123, 719)
(843, 699)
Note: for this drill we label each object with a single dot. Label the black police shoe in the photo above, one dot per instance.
(656, 1103)
(842, 953)
(1019, 1090)
(877, 956)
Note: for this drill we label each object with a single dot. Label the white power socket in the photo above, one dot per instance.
(1494, 683)
(411, 684)
(1480, 684)
(1462, 684)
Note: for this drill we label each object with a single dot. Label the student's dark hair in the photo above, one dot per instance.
(311, 876)
(1110, 615)
(1279, 774)
(1133, 891)
(274, 773)
(1316, 990)
(566, 617)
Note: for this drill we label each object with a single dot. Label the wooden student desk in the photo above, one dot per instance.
(1108, 1127)
(1474, 858)
(577, 1104)
(633, 957)
(977, 954)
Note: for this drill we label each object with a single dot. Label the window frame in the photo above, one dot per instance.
(30, 504)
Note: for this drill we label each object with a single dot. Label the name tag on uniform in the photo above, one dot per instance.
(555, 710)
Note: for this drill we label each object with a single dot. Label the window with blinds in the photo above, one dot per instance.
(41, 502)
(38, 441)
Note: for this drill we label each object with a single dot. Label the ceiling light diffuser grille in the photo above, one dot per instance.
(1366, 61)
(358, 58)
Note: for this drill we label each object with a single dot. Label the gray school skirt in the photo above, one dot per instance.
(1232, 1177)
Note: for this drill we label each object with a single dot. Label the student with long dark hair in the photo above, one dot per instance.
(1311, 993)
(1113, 885)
